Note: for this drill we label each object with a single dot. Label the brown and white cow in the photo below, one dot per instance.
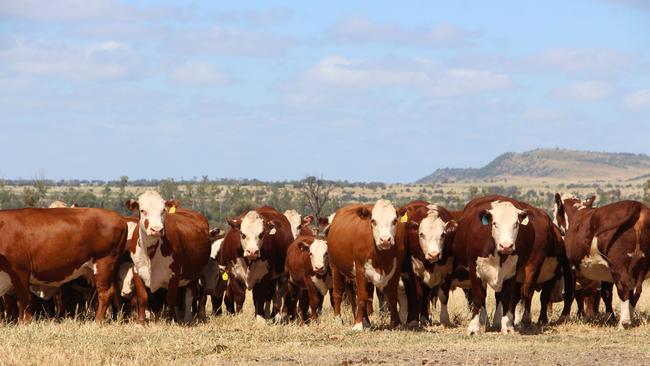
(362, 246)
(310, 278)
(299, 224)
(214, 278)
(50, 247)
(254, 252)
(169, 248)
(609, 244)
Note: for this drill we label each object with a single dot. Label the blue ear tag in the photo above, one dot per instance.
(484, 220)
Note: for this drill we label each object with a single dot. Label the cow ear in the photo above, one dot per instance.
(132, 205)
(323, 221)
(235, 223)
(486, 217)
(74, 205)
(400, 212)
(303, 246)
(589, 202)
(363, 213)
(524, 217)
(172, 203)
(451, 226)
(412, 226)
(307, 220)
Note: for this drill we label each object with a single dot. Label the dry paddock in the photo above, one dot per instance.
(230, 340)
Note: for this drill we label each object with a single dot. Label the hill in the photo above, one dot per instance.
(552, 163)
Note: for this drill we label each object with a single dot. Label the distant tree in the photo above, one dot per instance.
(317, 193)
(646, 192)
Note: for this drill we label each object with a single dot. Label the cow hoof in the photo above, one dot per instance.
(260, 319)
(473, 331)
(413, 324)
(357, 327)
(624, 325)
(338, 320)
(507, 330)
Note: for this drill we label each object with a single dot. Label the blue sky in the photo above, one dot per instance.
(358, 90)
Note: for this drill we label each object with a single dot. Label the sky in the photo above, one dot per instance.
(348, 90)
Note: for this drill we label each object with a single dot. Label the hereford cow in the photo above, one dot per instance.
(214, 278)
(310, 277)
(609, 244)
(362, 246)
(50, 247)
(169, 248)
(254, 252)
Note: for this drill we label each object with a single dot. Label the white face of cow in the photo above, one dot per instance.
(152, 213)
(295, 220)
(318, 256)
(383, 220)
(431, 234)
(505, 219)
(252, 232)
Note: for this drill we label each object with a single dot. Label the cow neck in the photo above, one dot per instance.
(576, 213)
(149, 243)
(383, 258)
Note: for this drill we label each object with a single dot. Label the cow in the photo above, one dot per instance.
(310, 278)
(214, 279)
(430, 233)
(609, 244)
(497, 240)
(50, 247)
(169, 248)
(254, 252)
(362, 246)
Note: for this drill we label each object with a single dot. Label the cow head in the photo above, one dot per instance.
(383, 221)
(153, 209)
(504, 220)
(432, 232)
(252, 229)
(317, 255)
(565, 206)
(294, 219)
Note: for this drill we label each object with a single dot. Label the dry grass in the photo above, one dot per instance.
(240, 340)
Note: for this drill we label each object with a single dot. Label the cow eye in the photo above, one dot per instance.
(421, 235)
(243, 236)
(261, 235)
(373, 222)
(395, 222)
(143, 212)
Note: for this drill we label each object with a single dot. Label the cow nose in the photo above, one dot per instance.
(252, 253)
(318, 269)
(386, 239)
(506, 248)
(156, 229)
(433, 256)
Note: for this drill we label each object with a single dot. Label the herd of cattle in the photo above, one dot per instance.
(167, 262)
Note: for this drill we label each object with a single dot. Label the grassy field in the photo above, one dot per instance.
(239, 339)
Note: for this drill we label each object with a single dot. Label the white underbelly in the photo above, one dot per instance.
(87, 270)
(5, 283)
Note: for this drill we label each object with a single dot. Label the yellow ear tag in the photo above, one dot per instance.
(404, 218)
(224, 276)
(172, 209)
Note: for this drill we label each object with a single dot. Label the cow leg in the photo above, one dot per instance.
(413, 295)
(315, 298)
(569, 287)
(403, 302)
(362, 300)
(23, 295)
(531, 272)
(625, 290)
(11, 308)
(338, 287)
(105, 285)
(202, 300)
(142, 297)
(290, 302)
(304, 306)
(422, 302)
(544, 299)
(477, 324)
(607, 294)
(506, 296)
(369, 308)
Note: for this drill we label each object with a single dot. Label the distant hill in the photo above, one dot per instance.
(552, 163)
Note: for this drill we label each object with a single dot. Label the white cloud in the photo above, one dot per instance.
(109, 60)
(596, 61)
(639, 99)
(62, 10)
(584, 91)
(198, 74)
(231, 41)
(363, 30)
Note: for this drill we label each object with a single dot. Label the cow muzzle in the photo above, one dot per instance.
(506, 248)
(252, 254)
(156, 231)
(320, 270)
(432, 256)
(385, 243)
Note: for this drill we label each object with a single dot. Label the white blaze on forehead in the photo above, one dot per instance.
(295, 220)
(384, 216)
(505, 219)
(430, 232)
(318, 253)
(252, 225)
(152, 208)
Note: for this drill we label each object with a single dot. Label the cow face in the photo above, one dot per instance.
(383, 221)
(317, 255)
(294, 219)
(504, 219)
(153, 209)
(432, 233)
(253, 228)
